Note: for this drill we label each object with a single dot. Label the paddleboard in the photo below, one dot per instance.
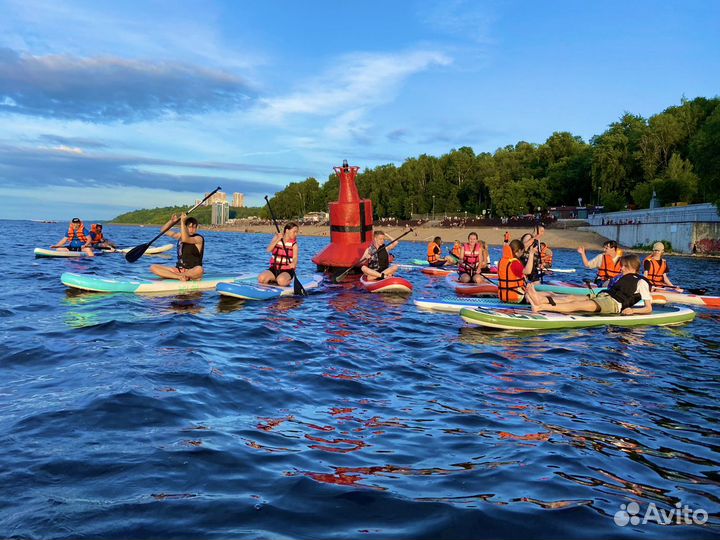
(252, 290)
(150, 251)
(42, 252)
(453, 304)
(553, 270)
(87, 282)
(472, 289)
(512, 319)
(420, 262)
(673, 297)
(387, 285)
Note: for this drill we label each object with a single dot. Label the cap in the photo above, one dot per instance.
(76, 220)
(658, 246)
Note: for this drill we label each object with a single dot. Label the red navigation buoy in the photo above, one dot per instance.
(351, 225)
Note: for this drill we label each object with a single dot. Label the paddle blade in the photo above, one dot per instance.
(697, 291)
(135, 253)
(298, 289)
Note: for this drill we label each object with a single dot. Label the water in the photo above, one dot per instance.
(343, 414)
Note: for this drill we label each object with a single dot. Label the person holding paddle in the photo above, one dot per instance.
(473, 260)
(190, 251)
(377, 258)
(284, 255)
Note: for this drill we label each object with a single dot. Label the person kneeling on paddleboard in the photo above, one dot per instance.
(377, 258)
(656, 269)
(98, 240)
(619, 298)
(284, 254)
(190, 251)
(77, 239)
(433, 254)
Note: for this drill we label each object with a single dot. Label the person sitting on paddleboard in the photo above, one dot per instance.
(190, 251)
(98, 240)
(484, 258)
(377, 260)
(607, 263)
(532, 245)
(512, 272)
(284, 253)
(471, 261)
(77, 239)
(656, 269)
(546, 256)
(434, 252)
(619, 298)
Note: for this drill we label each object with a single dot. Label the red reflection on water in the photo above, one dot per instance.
(353, 444)
(272, 423)
(529, 437)
(351, 376)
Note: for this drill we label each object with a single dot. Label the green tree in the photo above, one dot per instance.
(705, 156)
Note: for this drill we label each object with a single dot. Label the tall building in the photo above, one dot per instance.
(219, 197)
(238, 200)
(220, 213)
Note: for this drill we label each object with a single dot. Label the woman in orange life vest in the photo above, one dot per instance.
(98, 240)
(284, 253)
(434, 254)
(512, 272)
(190, 251)
(607, 263)
(377, 261)
(472, 261)
(456, 252)
(77, 238)
(656, 269)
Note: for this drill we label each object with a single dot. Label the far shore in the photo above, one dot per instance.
(554, 238)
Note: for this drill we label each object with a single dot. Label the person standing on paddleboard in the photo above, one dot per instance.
(77, 239)
(190, 251)
(284, 254)
(377, 259)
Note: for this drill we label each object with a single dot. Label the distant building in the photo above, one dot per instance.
(220, 213)
(238, 200)
(316, 217)
(219, 197)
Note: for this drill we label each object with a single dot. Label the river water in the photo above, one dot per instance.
(340, 415)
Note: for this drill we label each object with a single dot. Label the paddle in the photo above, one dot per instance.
(588, 284)
(135, 253)
(339, 278)
(297, 286)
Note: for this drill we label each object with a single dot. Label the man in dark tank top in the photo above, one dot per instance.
(190, 251)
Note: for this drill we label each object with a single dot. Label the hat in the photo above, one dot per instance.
(76, 220)
(658, 246)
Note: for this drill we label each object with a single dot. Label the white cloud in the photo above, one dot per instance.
(358, 81)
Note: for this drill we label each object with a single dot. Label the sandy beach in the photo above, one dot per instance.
(555, 238)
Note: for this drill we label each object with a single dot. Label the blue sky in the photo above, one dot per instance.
(109, 106)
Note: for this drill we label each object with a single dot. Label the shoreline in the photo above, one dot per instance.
(554, 238)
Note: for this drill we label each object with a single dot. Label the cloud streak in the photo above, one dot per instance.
(359, 81)
(109, 89)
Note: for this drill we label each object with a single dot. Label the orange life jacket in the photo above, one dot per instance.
(511, 287)
(79, 232)
(656, 272)
(609, 268)
(96, 236)
(471, 259)
(546, 256)
(457, 253)
(281, 258)
(431, 255)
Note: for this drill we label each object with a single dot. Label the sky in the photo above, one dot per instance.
(107, 107)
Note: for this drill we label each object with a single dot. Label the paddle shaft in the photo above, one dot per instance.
(345, 273)
(299, 289)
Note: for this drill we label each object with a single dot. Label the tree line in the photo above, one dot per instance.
(675, 154)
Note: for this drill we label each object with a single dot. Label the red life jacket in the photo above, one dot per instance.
(656, 272)
(511, 287)
(609, 268)
(96, 236)
(281, 258)
(471, 260)
(79, 232)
